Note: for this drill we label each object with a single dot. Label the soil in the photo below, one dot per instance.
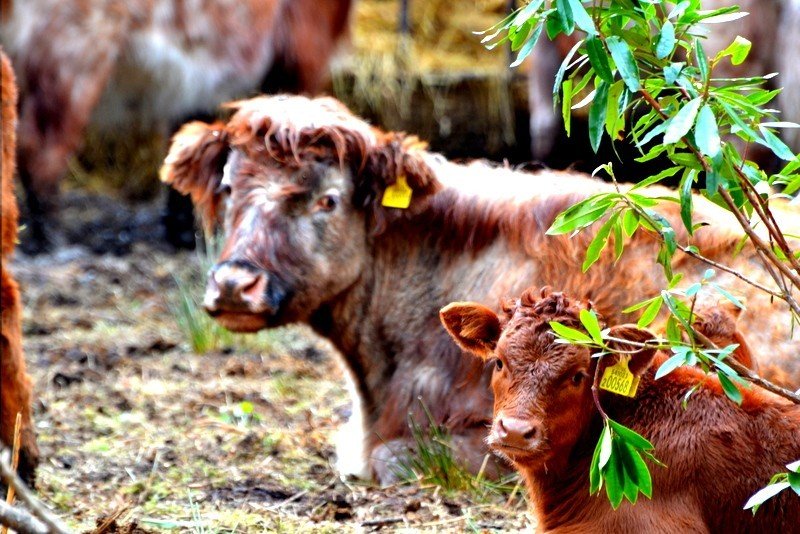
(140, 434)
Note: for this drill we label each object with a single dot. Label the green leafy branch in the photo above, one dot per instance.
(777, 484)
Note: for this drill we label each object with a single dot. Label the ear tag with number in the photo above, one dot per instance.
(397, 195)
(618, 378)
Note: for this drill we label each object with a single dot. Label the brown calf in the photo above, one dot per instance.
(545, 422)
(15, 386)
(151, 63)
(300, 183)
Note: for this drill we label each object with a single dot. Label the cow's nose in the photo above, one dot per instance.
(235, 287)
(515, 432)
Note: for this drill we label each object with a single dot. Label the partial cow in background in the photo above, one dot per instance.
(15, 386)
(716, 453)
(149, 62)
(364, 235)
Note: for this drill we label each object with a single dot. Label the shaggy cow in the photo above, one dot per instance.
(150, 62)
(716, 453)
(365, 235)
(15, 386)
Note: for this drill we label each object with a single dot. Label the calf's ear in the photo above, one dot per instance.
(641, 358)
(194, 165)
(473, 326)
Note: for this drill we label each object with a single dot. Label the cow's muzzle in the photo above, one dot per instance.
(241, 296)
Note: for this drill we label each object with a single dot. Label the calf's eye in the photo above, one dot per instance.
(327, 202)
(577, 379)
(498, 364)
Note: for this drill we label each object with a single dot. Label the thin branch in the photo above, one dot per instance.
(39, 510)
(20, 520)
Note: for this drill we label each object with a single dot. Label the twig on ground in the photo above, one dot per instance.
(14, 462)
(37, 509)
(381, 521)
(20, 520)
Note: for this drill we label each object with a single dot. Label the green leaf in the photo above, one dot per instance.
(579, 216)
(527, 12)
(706, 132)
(570, 334)
(670, 365)
(643, 478)
(672, 71)
(666, 173)
(680, 124)
(615, 479)
(598, 58)
(604, 443)
(738, 50)
(630, 222)
(794, 481)
(566, 104)
(764, 494)
(649, 314)
(736, 302)
(581, 17)
(666, 40)
(565, 16)
(686, 199)
(631, 436)
(599, 242)
(626, 64)
(702, 60)
(564, 66)
(589, 321)
(595, 480)
(527, 48)
(597, 114)
(730, 388)
(777, 146)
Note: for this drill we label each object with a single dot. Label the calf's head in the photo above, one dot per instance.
(542, 389)
(296, 184)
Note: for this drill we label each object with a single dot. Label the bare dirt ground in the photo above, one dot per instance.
(237, 439)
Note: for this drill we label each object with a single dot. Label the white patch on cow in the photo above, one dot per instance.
(489, 181)
(351, 457)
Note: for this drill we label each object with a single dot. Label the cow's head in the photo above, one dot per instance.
(542, 389)
(297, 184)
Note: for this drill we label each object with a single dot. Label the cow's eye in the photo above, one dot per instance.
(577, 379)
(498, 364)
(328, 202)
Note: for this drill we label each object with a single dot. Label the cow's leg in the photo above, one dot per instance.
(62, 83)
(387, 460)
(15, 385)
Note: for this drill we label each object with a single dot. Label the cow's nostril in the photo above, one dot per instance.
(530, 434)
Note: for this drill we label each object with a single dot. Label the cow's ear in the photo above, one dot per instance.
(194, 165)
(641, 358)
(473, 326)
(397, 163)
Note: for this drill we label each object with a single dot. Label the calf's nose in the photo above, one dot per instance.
(515, 432)
(235, 287)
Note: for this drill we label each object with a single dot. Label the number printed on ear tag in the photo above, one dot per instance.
(397, 195)
(618, 378)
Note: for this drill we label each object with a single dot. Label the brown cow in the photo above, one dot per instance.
(308, 240)
(717, 454)
(15, 386)
(152, 63)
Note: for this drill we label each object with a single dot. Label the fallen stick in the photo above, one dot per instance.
(37, 509)
(20, 520)
(14, 462)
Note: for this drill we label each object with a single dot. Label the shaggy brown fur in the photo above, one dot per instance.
(717, 454)
(308, 240)
(15, 386)
(150, 63)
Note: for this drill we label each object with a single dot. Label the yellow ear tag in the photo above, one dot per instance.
(397, 195)
(618, 378)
